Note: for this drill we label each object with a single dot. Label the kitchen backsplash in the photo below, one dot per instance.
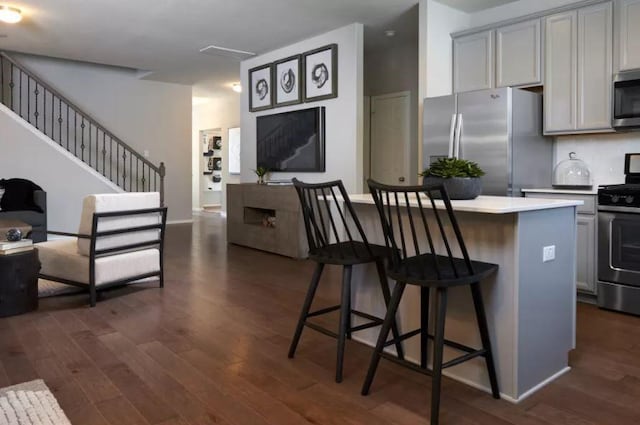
(603, 153)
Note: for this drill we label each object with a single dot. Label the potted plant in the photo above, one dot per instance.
(261, 172)
(460, 177)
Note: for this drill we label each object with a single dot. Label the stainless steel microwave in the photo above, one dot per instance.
(626, 101)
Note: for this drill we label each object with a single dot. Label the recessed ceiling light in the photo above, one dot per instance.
(236, 87)
(390, 33)
(10, 15)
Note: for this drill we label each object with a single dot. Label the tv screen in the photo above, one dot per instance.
(291, 141)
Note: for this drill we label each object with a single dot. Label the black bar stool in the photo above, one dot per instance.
(413, 229)
(329, 221)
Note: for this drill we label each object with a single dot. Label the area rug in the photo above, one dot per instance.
(47, 288)
(30, 403)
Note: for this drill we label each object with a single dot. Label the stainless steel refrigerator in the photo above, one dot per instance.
(500, 129)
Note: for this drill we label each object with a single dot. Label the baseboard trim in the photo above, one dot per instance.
(170, 222)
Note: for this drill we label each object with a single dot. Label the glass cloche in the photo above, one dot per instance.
(572, 173)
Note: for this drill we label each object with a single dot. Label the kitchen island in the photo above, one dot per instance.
(530, 303)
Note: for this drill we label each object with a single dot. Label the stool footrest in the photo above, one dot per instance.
(427, 371)
(367, 316)
(448, 342)
(402, 337)
(464, 358)
(371, 324)
(321, 329)
(324, 311)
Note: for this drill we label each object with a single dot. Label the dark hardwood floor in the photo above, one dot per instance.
(211, 348)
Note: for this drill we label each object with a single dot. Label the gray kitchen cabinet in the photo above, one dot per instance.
(586, 252)
(627, 27)
(473, 62)
(519, 54)
(578, 70)
(561, 61)
(595, 67)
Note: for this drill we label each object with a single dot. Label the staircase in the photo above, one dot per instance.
(67, 125)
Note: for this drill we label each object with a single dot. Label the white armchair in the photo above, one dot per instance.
(120, 240)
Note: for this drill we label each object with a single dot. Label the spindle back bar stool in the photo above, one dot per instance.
(415, 230)
(335, 236)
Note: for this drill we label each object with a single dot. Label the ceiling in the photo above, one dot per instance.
(164, 36)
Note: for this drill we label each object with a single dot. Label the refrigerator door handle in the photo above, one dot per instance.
(452, 134)
(456, 150)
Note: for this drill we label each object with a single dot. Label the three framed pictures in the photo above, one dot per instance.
(309, 77)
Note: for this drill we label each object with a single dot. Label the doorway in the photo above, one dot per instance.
(390, 148)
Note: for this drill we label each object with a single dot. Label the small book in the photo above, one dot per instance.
(4, 245)
(15, 250)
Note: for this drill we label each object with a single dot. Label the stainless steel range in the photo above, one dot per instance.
(619, 241)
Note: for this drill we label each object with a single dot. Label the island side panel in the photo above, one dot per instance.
(489, 237)
(546, 295)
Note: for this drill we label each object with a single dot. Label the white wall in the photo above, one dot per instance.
(604, 154)
(223, 113)
(147, 115)
(28, 154)
(344, 128)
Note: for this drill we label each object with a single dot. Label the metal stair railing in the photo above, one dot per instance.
(66, 124)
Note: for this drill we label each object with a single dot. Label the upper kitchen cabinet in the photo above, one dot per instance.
(578, 70)
(627, 34)
(518, 54)
(595, 67)
(473, 62)
(507, 56)
(560, 87)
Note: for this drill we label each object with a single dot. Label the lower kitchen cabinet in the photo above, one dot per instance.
(586, 250)
(586, 254)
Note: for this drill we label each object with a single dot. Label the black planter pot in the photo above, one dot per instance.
(457, 187)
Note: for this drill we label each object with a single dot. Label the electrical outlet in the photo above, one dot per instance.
(548, 253)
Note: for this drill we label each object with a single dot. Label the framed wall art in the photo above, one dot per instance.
(321, 73)
(260, 94)
(287, 81)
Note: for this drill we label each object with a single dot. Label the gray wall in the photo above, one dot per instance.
(147, 115)
(393, 68)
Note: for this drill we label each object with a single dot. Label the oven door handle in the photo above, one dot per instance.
(632, 210)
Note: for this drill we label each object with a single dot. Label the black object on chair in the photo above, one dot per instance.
(422, 228)
(329, 220)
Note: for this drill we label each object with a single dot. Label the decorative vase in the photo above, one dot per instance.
(261, 180)
(14, 235)
(457, 187)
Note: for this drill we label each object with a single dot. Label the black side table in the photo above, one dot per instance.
(19, 283)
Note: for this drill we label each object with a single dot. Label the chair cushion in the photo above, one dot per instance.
(59, 258)
(118, 202)
(18, 195)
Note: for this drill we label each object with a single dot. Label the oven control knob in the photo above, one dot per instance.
(629, 199)
(615, 199)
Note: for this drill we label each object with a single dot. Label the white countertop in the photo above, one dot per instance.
(486, 204)
(565, 191)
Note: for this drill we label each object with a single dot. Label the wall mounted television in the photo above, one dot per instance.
(292, 141)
